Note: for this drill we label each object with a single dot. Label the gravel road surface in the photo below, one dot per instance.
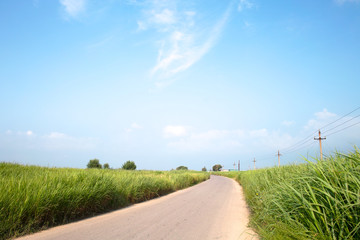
(214, 209)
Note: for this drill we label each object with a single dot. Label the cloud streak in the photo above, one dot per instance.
(183, 40)
(217, 140)
(341, 2)
(51, 141)
(73, 7)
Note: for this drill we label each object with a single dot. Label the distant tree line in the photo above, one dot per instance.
(95, 163)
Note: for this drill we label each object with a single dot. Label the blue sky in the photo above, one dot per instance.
(169, 83)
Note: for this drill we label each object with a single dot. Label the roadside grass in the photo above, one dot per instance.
(35, 198)
(315, 200)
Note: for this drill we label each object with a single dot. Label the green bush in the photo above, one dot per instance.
(182, 168)
(129, 165)
(94, 163)
(216, 167)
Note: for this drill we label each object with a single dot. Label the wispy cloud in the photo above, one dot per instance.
(133, 127)
(99, 43)
(73, 7)
(216, 140)
(175, 131)
(341, 2)
(321, 118)
(244, 4)
(50, 141)
(184, 40)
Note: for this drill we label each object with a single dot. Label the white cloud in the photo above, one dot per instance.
(183, 40)
(175, 131)
(182, 50)
(216, 140)
(55, 135)
(259, 133)
(166, 16)
(136, 126)
(47, 142)
(209, 141)
(128, 130)
(244, 4)
(133, 127)
(321, 118)
(141, 25)
(73, 7)
(325, 114)
(20, 133)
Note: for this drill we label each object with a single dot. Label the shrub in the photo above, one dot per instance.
(216, 167)
(181, 168)
(129, 165)
(94, 163)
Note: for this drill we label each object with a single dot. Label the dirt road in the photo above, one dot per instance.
(214, 209)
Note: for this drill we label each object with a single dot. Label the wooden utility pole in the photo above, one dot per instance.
(320, 138)
(239, 166)
(279, 157)
(234, 166)
(254, 164)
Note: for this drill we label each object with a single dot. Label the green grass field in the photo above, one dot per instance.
(34, 198)
(316, 200)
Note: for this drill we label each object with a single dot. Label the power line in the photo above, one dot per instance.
(307, 139)
(343, 129)
(341, 124)
(300, 144)
(308, 145)
(340, 118)
(293, 149)
(304, 140)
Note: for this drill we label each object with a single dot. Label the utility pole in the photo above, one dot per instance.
(239, 166)
(320, 138)
(234, 166)
(279, 157)
(254, 164)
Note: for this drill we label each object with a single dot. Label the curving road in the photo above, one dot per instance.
(214, 209)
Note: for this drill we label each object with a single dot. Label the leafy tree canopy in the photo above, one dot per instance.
(129, 165)
(94, 163)
(216, 167)
(181, 168)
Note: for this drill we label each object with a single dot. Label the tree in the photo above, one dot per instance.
(106, 166)
(204, 169)
(94, 163)
(129, 165)
(216, 167)
(181, 168)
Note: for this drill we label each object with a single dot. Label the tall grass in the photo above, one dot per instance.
(34, 198)
(316, 200)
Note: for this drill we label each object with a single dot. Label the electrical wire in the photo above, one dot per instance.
(300, 144)
(295, 150)
(343, 129)
(340, 118)
(295, 147)
(340, 124)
